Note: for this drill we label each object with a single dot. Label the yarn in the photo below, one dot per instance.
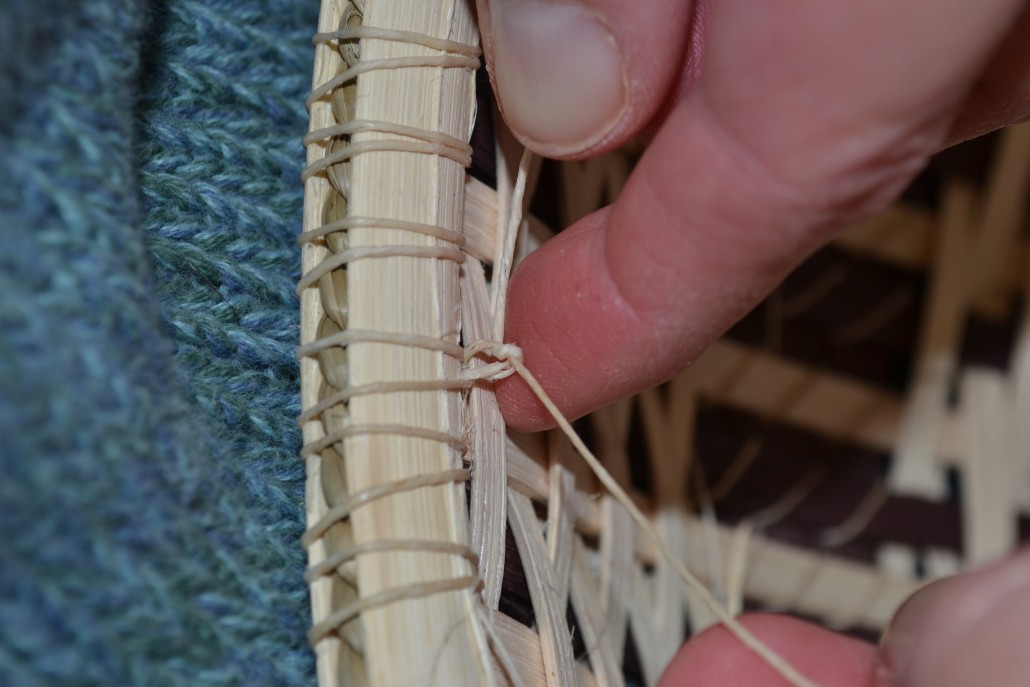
(151, 498)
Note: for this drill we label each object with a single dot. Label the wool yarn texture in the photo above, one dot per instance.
(151, 500)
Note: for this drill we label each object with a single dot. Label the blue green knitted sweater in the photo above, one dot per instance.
(151, 498)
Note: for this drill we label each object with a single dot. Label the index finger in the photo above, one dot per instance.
(806, 116)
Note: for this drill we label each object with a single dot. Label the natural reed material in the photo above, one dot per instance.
(388, 128)
(546, 577)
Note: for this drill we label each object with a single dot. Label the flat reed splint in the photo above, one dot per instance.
(789, 469)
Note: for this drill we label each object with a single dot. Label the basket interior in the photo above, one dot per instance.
(854, 436)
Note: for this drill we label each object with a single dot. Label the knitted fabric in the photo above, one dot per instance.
(151, 498)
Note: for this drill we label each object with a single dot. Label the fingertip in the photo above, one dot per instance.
(717, 658)
(963, 630)
(575, 332)
(521, 409)
(539, 321)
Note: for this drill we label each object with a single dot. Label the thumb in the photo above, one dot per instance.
(578, 77)
(963, 631)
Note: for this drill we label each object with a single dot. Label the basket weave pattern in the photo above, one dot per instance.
(427, 523)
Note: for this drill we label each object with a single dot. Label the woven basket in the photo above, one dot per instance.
(853, 437)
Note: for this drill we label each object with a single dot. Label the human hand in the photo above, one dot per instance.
(772, 125)
(965, 631)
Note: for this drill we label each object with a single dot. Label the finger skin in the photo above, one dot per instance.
(969, 629)
(786, 138)
(1001, 96)
(604, 310)
(715, 658)
(966, 630)
(652, 40)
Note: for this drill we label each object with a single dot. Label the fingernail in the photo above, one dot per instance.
(965, 630)
(559, 74)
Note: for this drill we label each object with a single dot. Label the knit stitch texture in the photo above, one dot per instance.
(151, 499)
